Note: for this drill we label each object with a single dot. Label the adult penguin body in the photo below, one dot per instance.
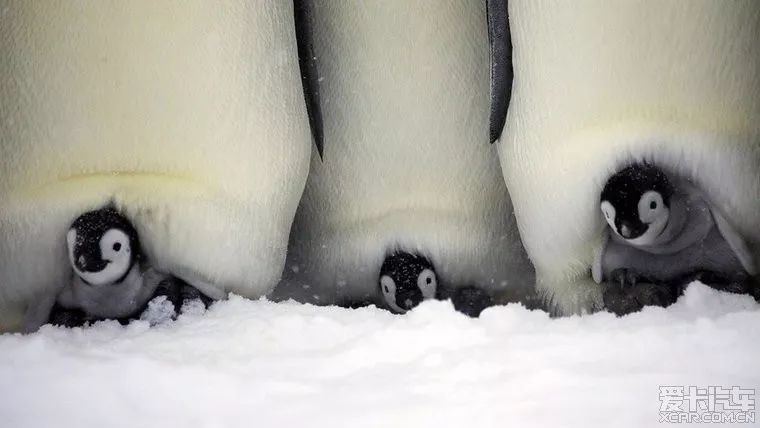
(600, 85)
(407, 172)
(188, 117)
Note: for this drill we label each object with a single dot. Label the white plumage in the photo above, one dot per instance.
(407, 164)
(188, 116)
(600, 84)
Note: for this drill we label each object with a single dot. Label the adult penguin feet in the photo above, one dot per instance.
(625, 298)
(471, 300)
(173, 297)
(749, 285)
(628, 291)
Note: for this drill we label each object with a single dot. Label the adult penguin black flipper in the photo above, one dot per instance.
(407, 168)
(307, 61)
(501, 65)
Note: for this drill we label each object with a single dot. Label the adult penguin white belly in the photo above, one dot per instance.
(600, 85)
(188, 117)
(408, 181)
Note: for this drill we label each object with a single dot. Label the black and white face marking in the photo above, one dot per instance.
(406, 280)
(635, 203)
(102, 246)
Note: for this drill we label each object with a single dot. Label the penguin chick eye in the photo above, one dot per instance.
(388, 286)
(651, 207)
(115, 245)
(426, 282)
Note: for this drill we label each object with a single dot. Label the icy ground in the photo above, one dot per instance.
(261, 364)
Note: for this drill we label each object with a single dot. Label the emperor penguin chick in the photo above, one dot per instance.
(664, 234)
(110, 277)
(406, 280)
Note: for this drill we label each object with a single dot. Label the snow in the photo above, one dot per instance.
(258, 363)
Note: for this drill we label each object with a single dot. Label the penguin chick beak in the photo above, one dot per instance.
(409, 300)
(89, 264)
(630, 231)
(81, 263)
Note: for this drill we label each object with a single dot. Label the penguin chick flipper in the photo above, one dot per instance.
(501, 65)
(471, 300)
(736, 242)
(622, 300)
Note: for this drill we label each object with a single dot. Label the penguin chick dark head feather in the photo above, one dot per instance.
(103, 246)
(635, 202)
(406, 280)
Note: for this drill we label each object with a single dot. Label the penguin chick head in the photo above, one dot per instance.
(636, 203)
(406, 280)
(103, 246)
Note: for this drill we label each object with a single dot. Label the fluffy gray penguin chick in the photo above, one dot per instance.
(664, 233)
(110, 278)
(406, 280)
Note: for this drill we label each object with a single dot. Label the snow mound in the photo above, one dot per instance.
(256, 363)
